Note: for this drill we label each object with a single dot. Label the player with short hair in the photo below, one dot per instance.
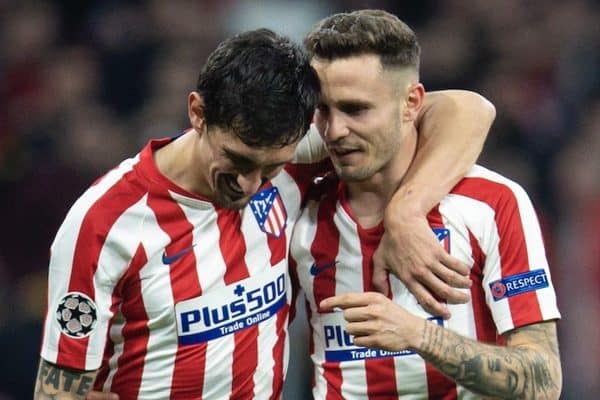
(366, 345)
(169, 276)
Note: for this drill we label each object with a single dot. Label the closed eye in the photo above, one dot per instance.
(241, 163)
(244, 165)
(353, 108)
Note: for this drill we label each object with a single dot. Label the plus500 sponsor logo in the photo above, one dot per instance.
(340, 347)
(244, 306)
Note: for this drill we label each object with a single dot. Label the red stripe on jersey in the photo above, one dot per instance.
(278, 351)
(94, 228)
(485, 328)
(109, 349)
(277, 245)
(188, 371)
(324, 249)
(278, 248)
(282, 315)
(512, 245)
(128, 377)
(435, 221)
(439, 386)
(303, 174)
(245, 353)
(380, 372)
(334, 382)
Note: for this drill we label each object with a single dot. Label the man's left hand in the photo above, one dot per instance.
(410, 250)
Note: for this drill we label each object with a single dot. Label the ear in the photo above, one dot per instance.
(196, 111)
(413, 102)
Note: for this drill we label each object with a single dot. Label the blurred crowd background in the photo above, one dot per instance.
(84, 84)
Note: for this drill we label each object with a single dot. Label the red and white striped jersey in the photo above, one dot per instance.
(487, 221)
(169, 295)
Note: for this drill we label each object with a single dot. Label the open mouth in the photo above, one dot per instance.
(341, 153)
(231, 187)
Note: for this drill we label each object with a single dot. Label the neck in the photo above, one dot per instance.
(369, 198)
(175, 160)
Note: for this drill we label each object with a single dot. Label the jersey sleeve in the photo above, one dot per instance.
(90, 253)
(305, 175)
(311, 148)
(517, 283)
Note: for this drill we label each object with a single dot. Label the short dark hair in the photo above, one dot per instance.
(365, 32)
(261, 86)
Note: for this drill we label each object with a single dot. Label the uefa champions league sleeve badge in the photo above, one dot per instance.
(76, 315)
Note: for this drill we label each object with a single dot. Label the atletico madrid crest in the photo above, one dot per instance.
(269, 211)
(443, 236)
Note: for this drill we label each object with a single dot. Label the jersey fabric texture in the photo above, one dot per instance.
(169, 295)
(487, 221)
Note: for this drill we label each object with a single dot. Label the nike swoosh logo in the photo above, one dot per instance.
(171, 259)
(317, 269)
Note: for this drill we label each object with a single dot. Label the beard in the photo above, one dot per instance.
(358, 171)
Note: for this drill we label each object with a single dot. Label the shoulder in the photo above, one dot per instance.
(106, 199)
(323, 185)
(488, 186)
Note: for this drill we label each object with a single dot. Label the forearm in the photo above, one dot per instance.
(54, 382)
(452, 125)
(521, 371)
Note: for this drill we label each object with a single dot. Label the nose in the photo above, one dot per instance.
(336, 127)
(250, 182)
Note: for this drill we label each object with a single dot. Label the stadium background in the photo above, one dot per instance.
(84, 84)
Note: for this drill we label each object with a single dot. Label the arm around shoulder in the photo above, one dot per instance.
(452, 126)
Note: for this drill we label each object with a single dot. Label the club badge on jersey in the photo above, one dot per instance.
(269, 211)
(443, 236)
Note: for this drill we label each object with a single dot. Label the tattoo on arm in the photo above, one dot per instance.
(54, 382)
(527, 368)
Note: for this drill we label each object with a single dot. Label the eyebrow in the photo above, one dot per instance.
(237, 157)
(242, 159)
(354, 103)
